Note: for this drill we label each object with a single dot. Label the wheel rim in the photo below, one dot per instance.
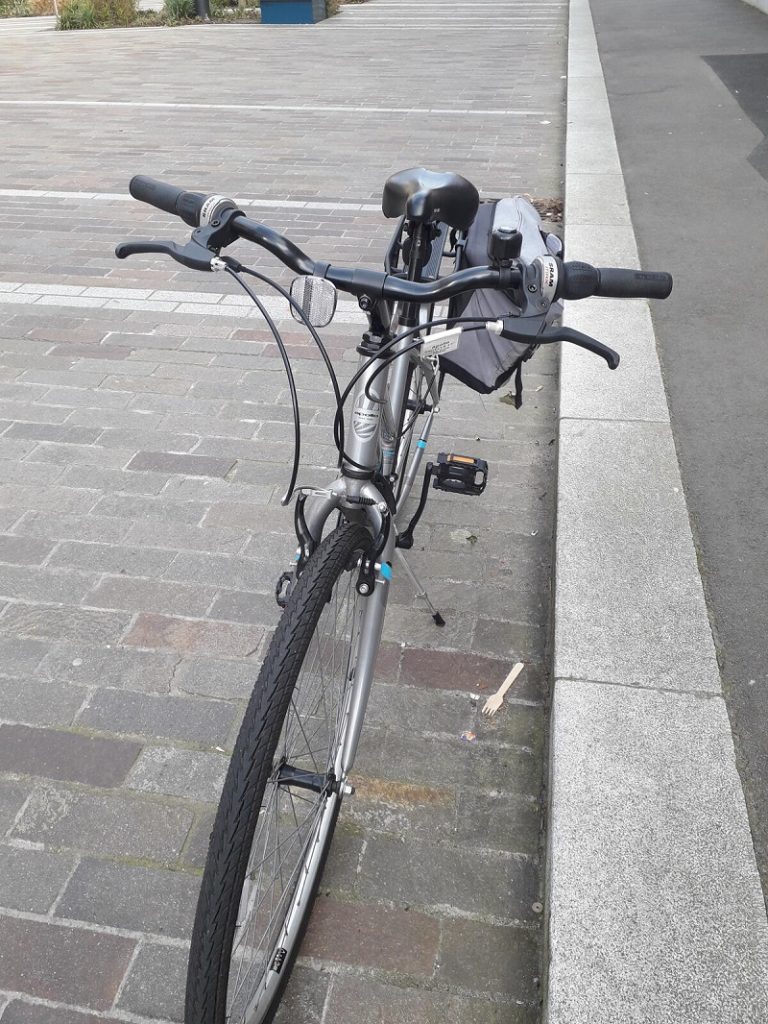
(294, 822)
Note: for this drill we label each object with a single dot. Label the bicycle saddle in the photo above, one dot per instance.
(426, 196)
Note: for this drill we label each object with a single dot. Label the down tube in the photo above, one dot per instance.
(370, 638)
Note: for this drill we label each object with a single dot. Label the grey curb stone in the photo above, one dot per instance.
(654, 902)
(655, 891)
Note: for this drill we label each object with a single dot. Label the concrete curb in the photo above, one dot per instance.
(656, 913)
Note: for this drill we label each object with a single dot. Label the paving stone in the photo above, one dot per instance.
(140, 899)
(340, 872)
(114, 667)
(70, 527)
(18, 1012)
(238, 573)
(117, 824)
(421, 630)
(304, 998)
(193, 774)
(224, 679)
(365, 1000)
(482, 763)
(150, 595)
(373, 936)
(499, 821)
(9, 516)
(23, 550)
(402, 808)
(247, 516)
(54, 432)
(25, 583)
(155, 986)
(420, 710)
(116, 480)
(423, 875)
(198, 721)
(13, 793)
(196, 848)
(238, 606)
(28, 473)
(140, 507)
(504, 960)
(30, 880)
(189, 465)
(111, 559)
(66, 756)
(88, 455)
(38, 701)
(19, 655)
(180, 536)
(452, 670)
(70, 965)
(193, 636)
(512, 640)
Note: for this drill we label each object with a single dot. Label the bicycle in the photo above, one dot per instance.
(289, 771)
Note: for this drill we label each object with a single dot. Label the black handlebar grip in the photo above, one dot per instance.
(577, 281)
(580, 280)
(168, 198)
(633, 284)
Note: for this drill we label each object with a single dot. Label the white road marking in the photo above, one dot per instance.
(346, 109)
(119, 197)
(226, 304)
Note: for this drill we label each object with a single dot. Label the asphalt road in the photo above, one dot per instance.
(688, 87)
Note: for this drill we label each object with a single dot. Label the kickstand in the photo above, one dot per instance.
(420, 591)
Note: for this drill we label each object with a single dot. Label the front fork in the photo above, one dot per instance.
(374, 603)
(370, 639)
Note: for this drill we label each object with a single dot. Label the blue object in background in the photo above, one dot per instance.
(292, 12)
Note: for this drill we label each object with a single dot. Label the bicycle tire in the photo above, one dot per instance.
(250, 782)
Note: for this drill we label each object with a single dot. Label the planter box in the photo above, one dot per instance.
(292, 12)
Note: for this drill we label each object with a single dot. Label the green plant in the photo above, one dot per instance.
(115, 12)
(75, 14)
(14, 9)
(179, 10)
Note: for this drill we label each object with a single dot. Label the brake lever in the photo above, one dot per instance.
(585, 341)
(529, 330)
(191, 255)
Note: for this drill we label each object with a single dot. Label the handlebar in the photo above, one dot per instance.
(168, 198)
(580, 280)
(218, 222)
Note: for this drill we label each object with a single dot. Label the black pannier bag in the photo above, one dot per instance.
(484, 361)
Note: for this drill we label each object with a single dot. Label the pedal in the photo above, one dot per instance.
(283, 588)
(460, 474)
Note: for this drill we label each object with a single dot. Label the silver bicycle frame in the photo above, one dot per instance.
(363, 445)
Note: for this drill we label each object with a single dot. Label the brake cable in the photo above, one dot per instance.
(338, 437)
(479, 322)
(291, 381)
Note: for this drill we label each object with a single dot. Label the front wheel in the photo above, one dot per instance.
(281, 798)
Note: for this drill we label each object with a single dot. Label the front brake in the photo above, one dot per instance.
(531, 330)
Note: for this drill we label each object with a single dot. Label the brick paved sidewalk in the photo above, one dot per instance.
(144, 445)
